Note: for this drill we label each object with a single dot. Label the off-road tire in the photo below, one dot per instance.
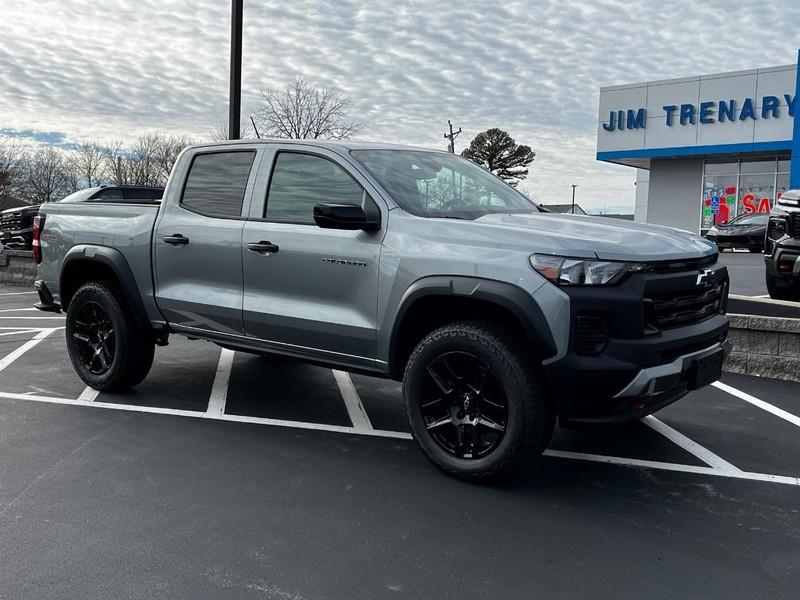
(530, 415)
(777, 292)
(133, 348)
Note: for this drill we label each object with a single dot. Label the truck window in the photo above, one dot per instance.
(216, 183)
(110, 195)
(299, 181)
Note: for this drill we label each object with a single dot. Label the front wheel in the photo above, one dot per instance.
(108, 351)
(475, 401)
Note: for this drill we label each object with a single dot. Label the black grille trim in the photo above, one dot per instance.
(685, 307)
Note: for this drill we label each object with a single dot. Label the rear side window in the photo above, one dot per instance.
(299, 181)
(111, 195)
(216, 183)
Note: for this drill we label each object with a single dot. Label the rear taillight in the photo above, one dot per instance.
(38, 225)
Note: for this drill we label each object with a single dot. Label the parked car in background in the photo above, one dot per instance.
(782, 252)
(745, 231)
(16, 224)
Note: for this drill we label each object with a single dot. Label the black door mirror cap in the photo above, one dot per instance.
(344, 216)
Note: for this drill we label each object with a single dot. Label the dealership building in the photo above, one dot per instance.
(706, 148)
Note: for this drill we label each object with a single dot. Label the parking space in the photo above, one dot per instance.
(226, 475)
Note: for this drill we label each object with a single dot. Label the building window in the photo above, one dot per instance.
(736, 187)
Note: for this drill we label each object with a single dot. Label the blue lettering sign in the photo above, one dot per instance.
(748, 110)
(790, 102)
(726, 109)
(769, 104)
(706, 112)
(687, 114)
(669, 109)
(636, 120)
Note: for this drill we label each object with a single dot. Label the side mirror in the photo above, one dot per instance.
(344, 216)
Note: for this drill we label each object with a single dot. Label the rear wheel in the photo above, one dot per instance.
(108, 351)
(777, 292)
(475, 401)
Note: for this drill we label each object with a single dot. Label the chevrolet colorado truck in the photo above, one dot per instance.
(782, 248)
(418, 265)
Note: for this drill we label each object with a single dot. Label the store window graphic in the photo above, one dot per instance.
(719, 204)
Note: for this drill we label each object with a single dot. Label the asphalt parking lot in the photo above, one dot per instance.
(226, 475)
(746, 271)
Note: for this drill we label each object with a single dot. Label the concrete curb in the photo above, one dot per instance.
(765, 346)
(17, 267)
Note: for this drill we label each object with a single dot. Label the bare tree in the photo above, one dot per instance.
(11, 172)
(87, 164)
(169, 147)
(302, 110)
(220, 132)
(116, 164)
(45, 178)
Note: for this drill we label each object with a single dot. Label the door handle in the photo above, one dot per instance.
(263, 247)
(176, 239)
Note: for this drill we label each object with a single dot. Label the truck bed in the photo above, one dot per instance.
(124, 227)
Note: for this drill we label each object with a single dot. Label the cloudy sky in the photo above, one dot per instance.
(73, 70)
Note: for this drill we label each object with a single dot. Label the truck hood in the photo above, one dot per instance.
(600, 237)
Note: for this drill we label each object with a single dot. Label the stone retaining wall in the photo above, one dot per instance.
(765, 346)
(17, 267)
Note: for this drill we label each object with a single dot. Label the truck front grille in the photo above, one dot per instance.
(684, 307)
(13, 222)
(794, 225)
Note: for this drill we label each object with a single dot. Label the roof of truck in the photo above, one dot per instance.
(331, 144)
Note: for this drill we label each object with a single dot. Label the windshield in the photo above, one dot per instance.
(435, 184)
(79, 196)
(751, 219)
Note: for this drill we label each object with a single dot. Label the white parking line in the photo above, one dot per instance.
(400, 435)
(27, 308)
(16, 293)
(31, 318)
(778, 412)
(689, 445)
(355, 409)
(32, 343)
(89, 394)
(651, 464)
(16, 331)
(219, 390)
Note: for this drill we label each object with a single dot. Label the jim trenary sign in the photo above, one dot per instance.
(719, 111)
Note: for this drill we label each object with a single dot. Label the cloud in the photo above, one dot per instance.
(110, 70)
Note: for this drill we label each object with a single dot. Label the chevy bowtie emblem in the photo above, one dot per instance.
(706, 278)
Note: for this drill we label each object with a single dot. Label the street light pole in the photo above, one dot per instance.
(235, 94)
(574, 185)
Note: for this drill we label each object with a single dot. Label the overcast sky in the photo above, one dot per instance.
(72, 70)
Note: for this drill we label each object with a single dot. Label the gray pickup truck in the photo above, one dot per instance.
(498, 316)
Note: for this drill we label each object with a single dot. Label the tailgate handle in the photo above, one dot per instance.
(263, 247)
(176, 239)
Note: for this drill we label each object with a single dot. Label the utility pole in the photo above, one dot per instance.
(235, 94)
(452, 137)
(574, 185)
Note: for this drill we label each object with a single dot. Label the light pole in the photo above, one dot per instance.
(574, 185)
(235, 94)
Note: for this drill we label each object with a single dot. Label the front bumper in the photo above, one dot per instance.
(639, 368)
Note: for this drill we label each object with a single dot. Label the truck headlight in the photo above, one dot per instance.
(562, 270)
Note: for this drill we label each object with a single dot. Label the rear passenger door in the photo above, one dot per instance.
(198, 256)
(315, 292)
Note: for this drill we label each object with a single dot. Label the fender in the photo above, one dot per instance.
(113, 259)
(507, 295)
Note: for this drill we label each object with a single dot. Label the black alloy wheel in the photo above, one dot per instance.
(463, 405)
(94, 338)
